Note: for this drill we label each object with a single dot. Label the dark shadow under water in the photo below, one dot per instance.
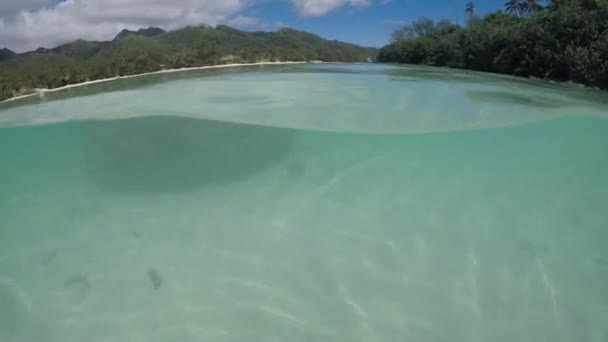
(169, 154)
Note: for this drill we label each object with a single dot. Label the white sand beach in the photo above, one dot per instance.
(42, 91)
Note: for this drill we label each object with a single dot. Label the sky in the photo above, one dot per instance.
(28, 24)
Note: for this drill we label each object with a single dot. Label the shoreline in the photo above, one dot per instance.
(40, 92)
(568, 83)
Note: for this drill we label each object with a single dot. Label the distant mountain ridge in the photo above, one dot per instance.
(6, 54)
(146, 32)
(151, 49)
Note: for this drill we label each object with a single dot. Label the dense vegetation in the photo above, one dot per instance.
(565, 40)
(154, 49)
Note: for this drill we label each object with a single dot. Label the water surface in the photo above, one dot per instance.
(305, 203)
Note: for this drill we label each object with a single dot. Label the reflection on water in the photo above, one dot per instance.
(164, 154)
(339, 98)
(503, 97)
(531, 87)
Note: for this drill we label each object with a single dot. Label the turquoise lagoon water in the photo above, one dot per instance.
(305, 203)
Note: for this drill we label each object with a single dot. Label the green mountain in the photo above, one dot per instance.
(6, 54)
(147, 32)
(152, 49)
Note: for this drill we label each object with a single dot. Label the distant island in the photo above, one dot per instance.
(561, 40)
(153, 49)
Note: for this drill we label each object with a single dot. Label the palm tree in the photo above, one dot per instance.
(470, 9)
(514, 7)
(532, 6)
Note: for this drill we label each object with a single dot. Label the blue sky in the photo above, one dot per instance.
(369, 25)
(29, 24)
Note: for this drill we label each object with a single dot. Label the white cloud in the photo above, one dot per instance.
(8, 7)
(244, 21)
(321, 7)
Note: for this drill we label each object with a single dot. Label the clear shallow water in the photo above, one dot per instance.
(168, 226)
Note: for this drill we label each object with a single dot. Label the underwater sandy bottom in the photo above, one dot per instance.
(173, 229)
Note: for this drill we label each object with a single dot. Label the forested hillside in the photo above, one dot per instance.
(152, 49)
(565, 40)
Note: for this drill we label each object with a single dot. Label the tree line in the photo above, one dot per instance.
(152, 49)
(562, 40)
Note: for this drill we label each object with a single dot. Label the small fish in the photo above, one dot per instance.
(155, 278)
(77, 288)
(49, 257)
(77, 280)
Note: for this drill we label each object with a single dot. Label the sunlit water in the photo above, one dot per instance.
(319, 203)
